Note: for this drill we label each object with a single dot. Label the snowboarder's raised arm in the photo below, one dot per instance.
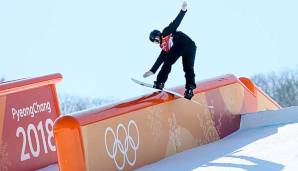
(175, 24)
(159, 61)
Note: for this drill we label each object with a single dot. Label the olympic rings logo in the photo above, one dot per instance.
(119, 147)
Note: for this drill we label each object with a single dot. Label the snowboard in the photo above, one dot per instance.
(168, 91)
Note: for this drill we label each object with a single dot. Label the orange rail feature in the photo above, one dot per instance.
(28, 109)
(131, 134)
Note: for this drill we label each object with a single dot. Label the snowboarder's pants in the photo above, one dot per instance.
(188, 59)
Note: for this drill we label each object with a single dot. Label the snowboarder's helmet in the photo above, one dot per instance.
(154, 34)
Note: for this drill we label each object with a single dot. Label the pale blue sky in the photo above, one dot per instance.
(98, 45)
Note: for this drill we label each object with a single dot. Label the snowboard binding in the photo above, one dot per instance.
(188, 94)
(158, 85)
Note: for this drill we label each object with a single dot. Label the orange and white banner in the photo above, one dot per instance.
(28, 109)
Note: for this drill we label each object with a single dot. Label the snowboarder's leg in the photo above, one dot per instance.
(188, 60)
(166, 68)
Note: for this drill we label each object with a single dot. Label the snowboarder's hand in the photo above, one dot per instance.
(184, 6)
(147, 74)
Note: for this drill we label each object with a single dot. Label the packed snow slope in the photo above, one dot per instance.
(266, 141)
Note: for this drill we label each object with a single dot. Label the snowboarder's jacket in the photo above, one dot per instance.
(173, 42)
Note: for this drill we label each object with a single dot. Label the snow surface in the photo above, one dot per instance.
(269, 117)
(266, 141)
(53, 167)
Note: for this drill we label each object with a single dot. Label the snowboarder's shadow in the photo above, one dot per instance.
(231, 148)
(255, 164)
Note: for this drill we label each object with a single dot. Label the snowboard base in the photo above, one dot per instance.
(168, 91)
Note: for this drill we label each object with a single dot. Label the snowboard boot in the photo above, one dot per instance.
(188, 93)
(158, 85)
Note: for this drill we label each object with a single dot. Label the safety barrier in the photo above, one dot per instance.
(140, 131)
(28, 109)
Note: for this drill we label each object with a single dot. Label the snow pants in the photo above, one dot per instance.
(188, 59)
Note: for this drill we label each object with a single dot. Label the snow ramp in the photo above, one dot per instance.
(140, 131)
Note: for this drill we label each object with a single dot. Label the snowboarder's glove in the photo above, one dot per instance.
(147, 74)
(184, 6)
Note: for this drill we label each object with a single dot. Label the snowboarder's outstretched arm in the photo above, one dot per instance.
(175, 24)
(159, 61)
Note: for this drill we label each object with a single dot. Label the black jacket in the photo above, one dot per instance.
(180, 41)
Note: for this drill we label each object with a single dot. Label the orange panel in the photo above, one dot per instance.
(14, 86)
(28, 109)
(2, 111)
(69, 144)
(248, 84)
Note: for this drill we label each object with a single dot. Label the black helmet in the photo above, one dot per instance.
(154, 34)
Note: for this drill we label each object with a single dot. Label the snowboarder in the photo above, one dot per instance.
(174, 44)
